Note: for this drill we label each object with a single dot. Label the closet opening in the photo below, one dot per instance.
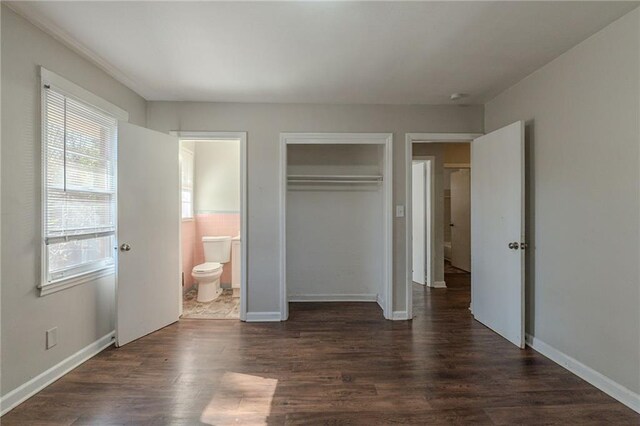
(336, 219)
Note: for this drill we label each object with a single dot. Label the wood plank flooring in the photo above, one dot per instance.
(329, 364)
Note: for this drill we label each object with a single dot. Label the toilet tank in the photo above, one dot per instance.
(217, 249)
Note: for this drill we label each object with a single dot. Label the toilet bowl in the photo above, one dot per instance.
(217, 251)
(207, 275)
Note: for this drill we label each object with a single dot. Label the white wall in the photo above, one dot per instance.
(264, 122)
(335, 233)
(83, 313)
(583, 284)
(217, 177)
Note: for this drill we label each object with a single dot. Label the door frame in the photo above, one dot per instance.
(384, 139)
(242, 137)
(429, 215)
(410, 139)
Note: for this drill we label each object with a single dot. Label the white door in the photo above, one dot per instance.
(148, 280)
(418, 221)
(461, 219)
(497, 229)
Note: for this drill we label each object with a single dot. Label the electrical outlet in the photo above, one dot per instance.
(52, 337)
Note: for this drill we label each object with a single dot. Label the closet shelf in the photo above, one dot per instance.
(334, 178)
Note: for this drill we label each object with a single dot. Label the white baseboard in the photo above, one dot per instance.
(400, 316)
(42, 380)
(439, 284)
(605, 384)
(333, 297)
(264, 316)
(380, 302)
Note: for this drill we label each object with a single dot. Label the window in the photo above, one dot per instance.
(186, 179)
(79, 150)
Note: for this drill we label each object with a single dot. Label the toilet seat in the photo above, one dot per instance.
(207, 268)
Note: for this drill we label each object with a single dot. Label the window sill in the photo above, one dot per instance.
(65, 283)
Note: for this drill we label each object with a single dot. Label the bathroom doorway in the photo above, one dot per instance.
(213, 225)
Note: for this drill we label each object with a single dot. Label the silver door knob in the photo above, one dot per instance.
(125, 247)
(514, 245)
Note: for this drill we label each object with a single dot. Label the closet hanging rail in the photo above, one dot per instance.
(333, 179)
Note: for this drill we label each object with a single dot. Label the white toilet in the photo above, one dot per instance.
(217, 250)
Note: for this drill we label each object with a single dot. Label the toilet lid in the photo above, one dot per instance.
(207, 267)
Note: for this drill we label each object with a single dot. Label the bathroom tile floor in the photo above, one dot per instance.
(224, 307)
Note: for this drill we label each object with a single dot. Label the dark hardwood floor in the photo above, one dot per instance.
(329, 364)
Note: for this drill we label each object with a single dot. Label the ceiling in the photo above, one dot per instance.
(321, 52)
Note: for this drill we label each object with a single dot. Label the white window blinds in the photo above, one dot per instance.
(80, 186)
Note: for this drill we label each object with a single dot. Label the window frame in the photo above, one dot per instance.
(70, 90)
(185, 150)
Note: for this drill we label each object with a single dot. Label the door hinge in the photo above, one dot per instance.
(523, 246)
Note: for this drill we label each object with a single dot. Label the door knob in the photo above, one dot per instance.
(514, 246)
(125, 247)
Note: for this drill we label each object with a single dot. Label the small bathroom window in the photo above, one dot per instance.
(186, 179)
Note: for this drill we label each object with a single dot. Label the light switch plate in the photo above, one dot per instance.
(400, 211)
(52, 337)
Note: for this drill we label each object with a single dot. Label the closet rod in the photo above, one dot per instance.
(333, 181)
(335, 178)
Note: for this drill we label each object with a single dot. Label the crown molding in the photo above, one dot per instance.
(27, 11)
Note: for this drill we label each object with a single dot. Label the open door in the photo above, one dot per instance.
(497, 231)
(418, 221)
(461, 220)
(148, 277)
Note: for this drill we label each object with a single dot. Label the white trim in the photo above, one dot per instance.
(400, 316)
(457, 165)
(65, 283)
(61, 84)
(430, 215)
(263, 317)
(44, 379)
(244, 244)
(385, 139)
(372, 297)
(439, 284)
(411, 138)
(443, 137)
(600, 381)
(282, 199)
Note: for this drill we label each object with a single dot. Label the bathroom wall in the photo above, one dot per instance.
(216, 202)
(217, 177)
(188, 252)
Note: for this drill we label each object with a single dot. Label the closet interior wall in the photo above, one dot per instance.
(335, 222)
